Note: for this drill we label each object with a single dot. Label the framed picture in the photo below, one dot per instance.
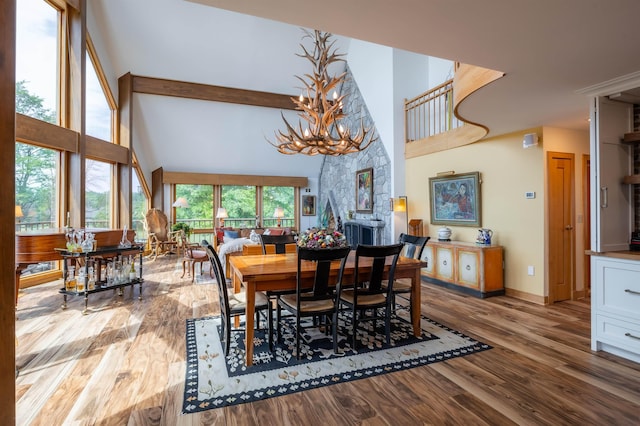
(364, 190)
(308, 205)
(455, 199)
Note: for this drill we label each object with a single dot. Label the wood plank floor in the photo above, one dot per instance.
(124, 363)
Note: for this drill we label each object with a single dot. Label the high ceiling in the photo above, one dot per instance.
(549, 50)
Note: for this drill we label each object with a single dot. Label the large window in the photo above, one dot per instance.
(98, 114)
(37, 54)
(274, 197)
(199, 214)
(98, 194)
(240, 202)
(139, 207)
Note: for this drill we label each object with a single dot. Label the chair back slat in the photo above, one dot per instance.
(378, 255)
(413, 245)
(323, 258)
(225, 309)
(279, 241)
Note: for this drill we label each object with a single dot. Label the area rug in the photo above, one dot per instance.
(213, 380)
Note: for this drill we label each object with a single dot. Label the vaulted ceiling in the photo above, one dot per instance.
(549, 50)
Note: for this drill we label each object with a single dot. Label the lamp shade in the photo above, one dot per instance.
(181, 202)
(278, 212)
(19, 211)
(222, 213)
(400, 204)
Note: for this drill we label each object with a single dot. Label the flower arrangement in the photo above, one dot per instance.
(321, 238)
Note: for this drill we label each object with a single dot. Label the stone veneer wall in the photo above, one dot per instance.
(338, 174)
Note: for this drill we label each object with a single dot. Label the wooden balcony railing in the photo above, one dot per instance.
(430, 113)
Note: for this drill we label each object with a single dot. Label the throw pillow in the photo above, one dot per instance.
(231, 234)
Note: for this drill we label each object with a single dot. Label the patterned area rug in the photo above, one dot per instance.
(213, 380)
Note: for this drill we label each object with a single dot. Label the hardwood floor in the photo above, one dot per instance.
(123, 363)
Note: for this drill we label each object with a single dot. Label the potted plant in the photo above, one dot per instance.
(180, 226)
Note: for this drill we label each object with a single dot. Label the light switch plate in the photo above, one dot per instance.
(529, 194)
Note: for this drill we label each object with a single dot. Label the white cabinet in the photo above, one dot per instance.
(615, 306)
(612, 200)
(468, 267)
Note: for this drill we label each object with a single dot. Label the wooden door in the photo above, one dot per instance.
(561, 226)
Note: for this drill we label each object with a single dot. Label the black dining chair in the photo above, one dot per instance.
(369, 292)
(235, 304)
(279, 244)
(413, 248)
(319, 300)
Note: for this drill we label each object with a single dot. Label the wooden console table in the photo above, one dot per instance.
(471, 268)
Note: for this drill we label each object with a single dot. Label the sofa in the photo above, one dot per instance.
(233, 241)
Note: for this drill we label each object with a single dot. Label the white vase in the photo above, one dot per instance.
(444, 234)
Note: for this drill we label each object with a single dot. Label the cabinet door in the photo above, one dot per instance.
(444, 263)
(427, 256)
(612, 205)
(468, 268)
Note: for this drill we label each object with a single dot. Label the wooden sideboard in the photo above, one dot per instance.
(468, 267)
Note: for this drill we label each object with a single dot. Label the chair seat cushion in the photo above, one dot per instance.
(308, 306)
(364, 299)
(199, 255)
(238, 301)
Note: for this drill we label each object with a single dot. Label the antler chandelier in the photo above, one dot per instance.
(325, 131)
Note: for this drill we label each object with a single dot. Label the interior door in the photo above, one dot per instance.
(561, 225)
(612, 208)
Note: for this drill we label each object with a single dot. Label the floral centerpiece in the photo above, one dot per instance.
(321, 238)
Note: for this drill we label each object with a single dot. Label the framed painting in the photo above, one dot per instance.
(308, 205)
(455, 199)
(364, 190)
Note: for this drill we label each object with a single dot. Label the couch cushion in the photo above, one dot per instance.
(231, 234)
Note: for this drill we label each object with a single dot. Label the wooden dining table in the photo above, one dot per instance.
(279, 271)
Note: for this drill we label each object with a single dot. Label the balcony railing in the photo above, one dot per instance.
(430, 113)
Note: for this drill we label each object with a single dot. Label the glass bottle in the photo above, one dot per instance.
(80, 282)
(132, 269)
(70, 282)
(91, 284)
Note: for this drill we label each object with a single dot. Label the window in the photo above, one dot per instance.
(240, 202)
(139, 207)
(98, 194)
(97, 113)
(274, 197)
(199, 214)
(37, 57)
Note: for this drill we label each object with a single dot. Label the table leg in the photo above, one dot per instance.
(415, 303)
(237, 287)
(250, 314)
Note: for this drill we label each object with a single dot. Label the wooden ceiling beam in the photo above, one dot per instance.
(206, 92)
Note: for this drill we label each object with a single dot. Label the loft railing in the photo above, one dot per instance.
(430, 113)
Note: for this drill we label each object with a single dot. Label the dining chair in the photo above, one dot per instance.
(278, 244)
(368, 292)
(319, 300)
(193, 253)
(413, 248)
(235, 304)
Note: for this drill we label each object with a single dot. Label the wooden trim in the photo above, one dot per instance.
(207, 92)
(41, 278)
(454, 138)
(7, 212)
(100, 150)
(522, 295)
(223, 179)
(46, 135)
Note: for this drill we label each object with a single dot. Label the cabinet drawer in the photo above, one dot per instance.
(618, 290)
(618, 333)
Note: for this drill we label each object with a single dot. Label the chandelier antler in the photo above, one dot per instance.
(325, 132)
